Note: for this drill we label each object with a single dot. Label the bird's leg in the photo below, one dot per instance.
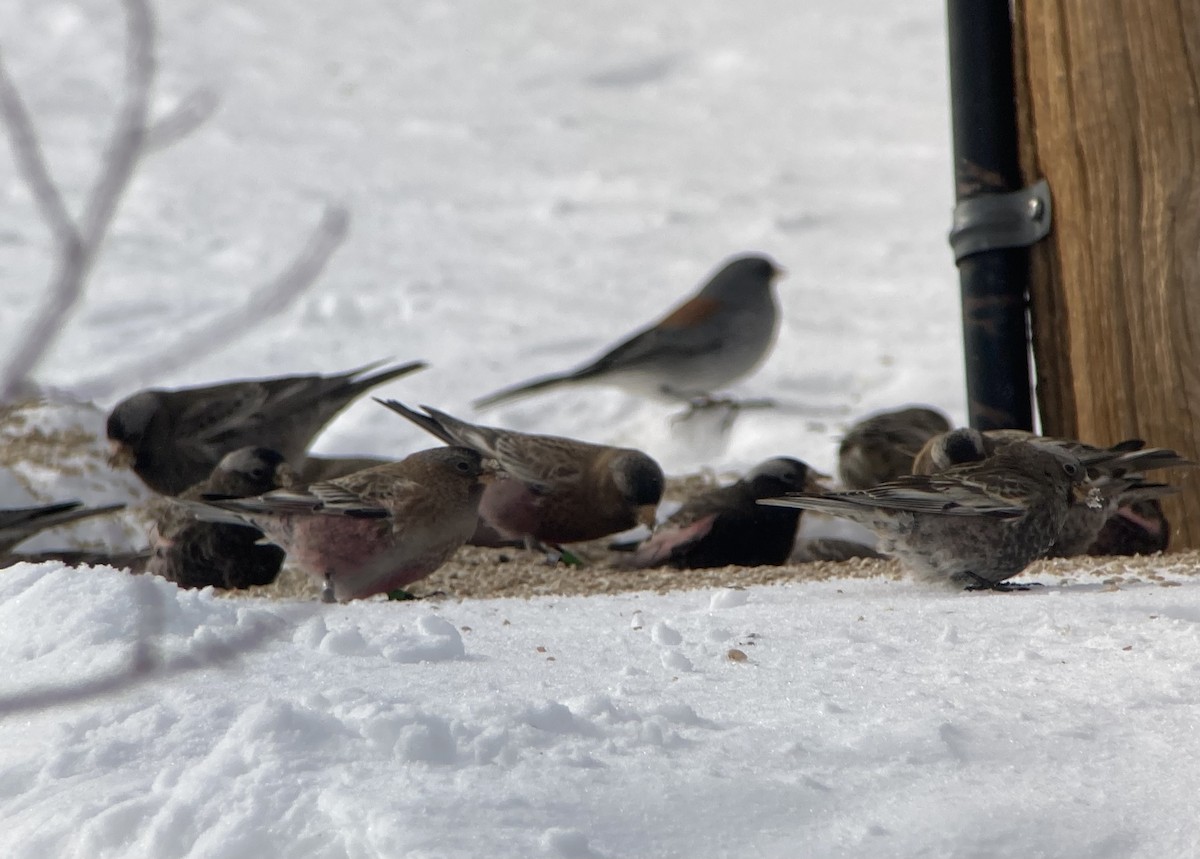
(726, 408)
(327, 589)
(555, 553)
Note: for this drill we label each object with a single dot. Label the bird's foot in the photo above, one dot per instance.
(710, 402)
(981, 584)
(556, 554)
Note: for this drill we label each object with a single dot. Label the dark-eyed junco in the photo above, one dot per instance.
(973, 525)
(715, 337)
(725, 525)
(882, 446)
(18, 524)
(553, 490)
(173, 439)
(197, 554)
(1115, 476)
(374, 531)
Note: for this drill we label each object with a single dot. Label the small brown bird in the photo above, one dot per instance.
(882, 446)
(715, 337)
(726, 526)
(552, 490)
(198, 554)
(374, 531)
(974, 525)
(173, 439)
(1115, 476)
(18, 524)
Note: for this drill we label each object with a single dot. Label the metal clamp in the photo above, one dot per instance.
(1012, 219)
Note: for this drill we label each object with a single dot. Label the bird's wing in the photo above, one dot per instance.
(663, 543)
(538, 460)
(672, 337)
(224, 414)
(326, 499)
(915, 494)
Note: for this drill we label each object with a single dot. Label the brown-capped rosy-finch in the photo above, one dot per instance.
(374, 531)
(553, 490)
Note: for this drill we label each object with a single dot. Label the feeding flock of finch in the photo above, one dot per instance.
(239, 492)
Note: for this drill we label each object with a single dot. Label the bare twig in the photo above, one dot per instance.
(78, 246)
(191, 112)
(30, 162)
(269, 299)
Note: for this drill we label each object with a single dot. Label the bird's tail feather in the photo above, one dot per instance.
(424, 421)
(526, 388)
(362, 382)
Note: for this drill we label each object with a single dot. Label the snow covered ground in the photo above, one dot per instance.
(528, 181)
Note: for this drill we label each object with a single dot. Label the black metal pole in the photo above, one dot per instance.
(994, 283)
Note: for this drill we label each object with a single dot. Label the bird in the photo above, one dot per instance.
(196, 554)
(1115, 474)
(1138, 527)
(882, 446)
(375, 531)
(715, 337)
(552, 490)
(133, 560)
(725, 526)
(973, 525)
(173, 439)
(18, 524)
(316, 468)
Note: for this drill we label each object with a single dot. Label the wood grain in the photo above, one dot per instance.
(1109, 113)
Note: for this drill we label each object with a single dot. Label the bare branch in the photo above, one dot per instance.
(78, 252)
(192, 112)
(31, 163)
(125, 146)
(269, 299)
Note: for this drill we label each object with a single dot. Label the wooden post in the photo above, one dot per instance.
(1109, 113)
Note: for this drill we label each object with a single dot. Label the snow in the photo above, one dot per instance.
(868, 718)
(528, 181)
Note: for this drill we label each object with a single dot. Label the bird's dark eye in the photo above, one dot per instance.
(258, 473)
(1070, 468)
(463, 466)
